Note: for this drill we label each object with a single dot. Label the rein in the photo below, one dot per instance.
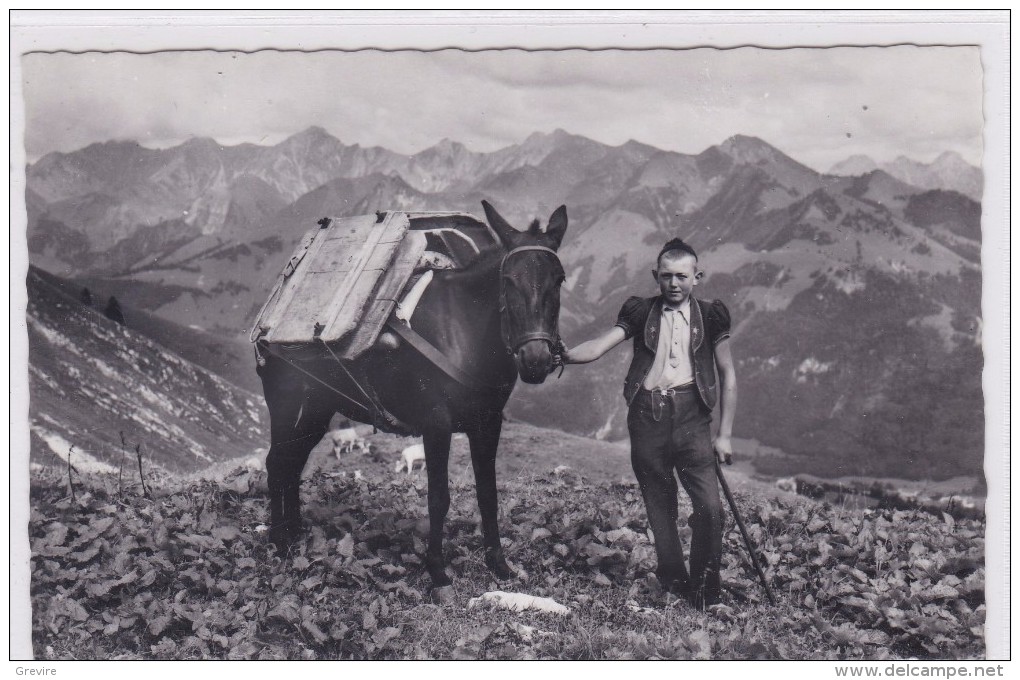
(514, 341)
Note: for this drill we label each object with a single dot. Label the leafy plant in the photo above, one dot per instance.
(188, 573)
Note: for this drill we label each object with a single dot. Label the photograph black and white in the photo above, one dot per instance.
(507, 345)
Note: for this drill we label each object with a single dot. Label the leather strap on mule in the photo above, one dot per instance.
(379, 415)
(441, 361)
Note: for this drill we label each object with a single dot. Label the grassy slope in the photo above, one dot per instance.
(188, 574)
(232, 360)
(93, 381)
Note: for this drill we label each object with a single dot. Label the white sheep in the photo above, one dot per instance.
(409, 456)
(347, 439)
(788, 484)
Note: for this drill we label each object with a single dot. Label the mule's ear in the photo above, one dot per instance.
(557, 226)
(503, 230)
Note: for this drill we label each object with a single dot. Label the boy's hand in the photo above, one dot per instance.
(561, 357)
(723, 449)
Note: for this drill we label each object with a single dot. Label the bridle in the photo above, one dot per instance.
(514, 341)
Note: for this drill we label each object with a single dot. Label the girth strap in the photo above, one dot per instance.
(430, 352)
(381, 418)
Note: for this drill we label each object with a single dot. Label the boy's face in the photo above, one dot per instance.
(677, 277)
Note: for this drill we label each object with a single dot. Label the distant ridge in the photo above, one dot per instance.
(947, 172)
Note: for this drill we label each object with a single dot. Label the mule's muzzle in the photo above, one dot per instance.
(534, 361)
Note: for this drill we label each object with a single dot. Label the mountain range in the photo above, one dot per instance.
(947, 171)
(848, 290)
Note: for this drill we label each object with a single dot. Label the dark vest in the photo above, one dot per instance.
(702, 349)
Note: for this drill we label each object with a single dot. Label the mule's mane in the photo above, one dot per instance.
(488, 259)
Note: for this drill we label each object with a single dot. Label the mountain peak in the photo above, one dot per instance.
(746, 143)
(635, 144)
(757, 153)
(855, 165)
(201, 143)
(750, 150)
(951, 159)
(447, 146)
(312, 135)
(556, 136)
(109, 146)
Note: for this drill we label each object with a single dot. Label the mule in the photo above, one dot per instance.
(496, 320)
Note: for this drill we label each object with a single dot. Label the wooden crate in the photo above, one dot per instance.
(324, 290)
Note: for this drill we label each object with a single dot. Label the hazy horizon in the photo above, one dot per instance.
(820, 106)
(351, 143)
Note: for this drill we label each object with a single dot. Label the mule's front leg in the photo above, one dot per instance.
(284, 464)
(437, 458)
(484, 440)
(299, 417)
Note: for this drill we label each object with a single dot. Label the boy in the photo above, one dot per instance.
(679, 344)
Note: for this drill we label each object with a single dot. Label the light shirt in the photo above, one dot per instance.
(672, 365)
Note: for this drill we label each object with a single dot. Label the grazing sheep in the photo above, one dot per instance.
(788, 484)
(408, 456)
(347, 439)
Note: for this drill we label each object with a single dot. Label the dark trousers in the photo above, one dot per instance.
(670, 433)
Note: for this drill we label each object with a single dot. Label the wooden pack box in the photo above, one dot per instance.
(346, 275)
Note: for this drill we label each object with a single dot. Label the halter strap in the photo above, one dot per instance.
(513, 342)
(520, 249)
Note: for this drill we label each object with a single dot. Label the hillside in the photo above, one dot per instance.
(231, 359)
(188, 574)
(100, 390)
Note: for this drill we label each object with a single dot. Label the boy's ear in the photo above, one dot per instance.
(697, 277)
(655, 275)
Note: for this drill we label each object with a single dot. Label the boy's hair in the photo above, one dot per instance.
(673, 245)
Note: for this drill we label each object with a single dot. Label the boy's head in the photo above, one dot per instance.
(677, 271)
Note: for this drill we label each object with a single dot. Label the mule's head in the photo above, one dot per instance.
(530, 279)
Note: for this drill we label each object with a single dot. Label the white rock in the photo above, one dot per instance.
(519, 602)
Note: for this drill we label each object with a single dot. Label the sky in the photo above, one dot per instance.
(818, 105)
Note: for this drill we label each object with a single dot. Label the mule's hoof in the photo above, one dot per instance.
(443, 595)
(436, 566)
(440, 579)
(284, 536)
(281, 540)
(498, 566)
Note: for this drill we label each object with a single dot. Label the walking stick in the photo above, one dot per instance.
(752, 551)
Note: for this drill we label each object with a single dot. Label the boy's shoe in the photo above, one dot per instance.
(676, 586)
(675, 582)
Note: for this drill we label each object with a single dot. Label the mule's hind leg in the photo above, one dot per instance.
(286, 459)
(484, 440)
(299, 419)
(437, 458)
